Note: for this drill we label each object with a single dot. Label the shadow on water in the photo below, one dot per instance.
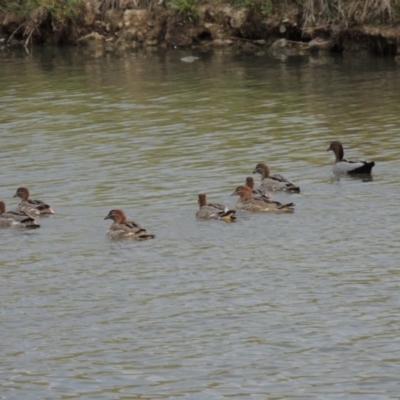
(354, 177)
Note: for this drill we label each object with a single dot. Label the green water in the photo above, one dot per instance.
(274, 306)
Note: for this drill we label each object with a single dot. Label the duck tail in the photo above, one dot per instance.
(228, 216)
(32, 226)
(30, 223)
(146, 236)
(364, 169)
(293, 189)
(286, 207)
(370, 166)
(45, 209)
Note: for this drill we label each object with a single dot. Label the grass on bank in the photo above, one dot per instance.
(352, 12)
(349, 12)
(63, 15)
(339, 11)
(59, 9)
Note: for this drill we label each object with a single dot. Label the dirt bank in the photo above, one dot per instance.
(211, 26)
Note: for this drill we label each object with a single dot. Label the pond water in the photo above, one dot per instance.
(274, 306)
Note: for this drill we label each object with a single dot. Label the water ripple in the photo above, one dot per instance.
(284, 306)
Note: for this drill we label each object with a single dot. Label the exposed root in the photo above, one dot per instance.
(15, 32)
(37, 19)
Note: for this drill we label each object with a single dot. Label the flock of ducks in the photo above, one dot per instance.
(259, 199)
(23, 215)
(250, 199)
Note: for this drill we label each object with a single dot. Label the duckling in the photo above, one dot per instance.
(274, 182)
(214, 210)
(343, 166)
(247, 202)
(32, 207)
(19, 219)
(121, 228)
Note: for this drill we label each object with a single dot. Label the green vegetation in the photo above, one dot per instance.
(266, 8)
(186, 7)
(59, 9)
(61, 15)
(331, 11)
(61, 20)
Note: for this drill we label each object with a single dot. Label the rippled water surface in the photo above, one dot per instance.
(272, 307)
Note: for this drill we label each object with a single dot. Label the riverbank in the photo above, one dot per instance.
(295, 27)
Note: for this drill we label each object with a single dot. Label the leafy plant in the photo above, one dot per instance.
(186, 7)
(63, 15)
(266, 8)
(59, 9)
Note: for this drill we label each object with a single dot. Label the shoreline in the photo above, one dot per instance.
(215, 26)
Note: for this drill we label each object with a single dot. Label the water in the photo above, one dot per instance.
(274, 306)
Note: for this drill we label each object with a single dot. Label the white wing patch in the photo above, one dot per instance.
(344, 167)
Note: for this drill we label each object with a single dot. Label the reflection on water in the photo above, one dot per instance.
(283, 306)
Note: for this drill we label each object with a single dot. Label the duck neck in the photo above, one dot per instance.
(246, 195)
(24, 196)
(202, 200)
(339, 153)
(265, 173)
(250, 183)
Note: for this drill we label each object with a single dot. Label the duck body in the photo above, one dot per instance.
(32, 207)
(259, 193)
(260, 205)
(18, 219)
(351, 167)
(249, 203)
(121, 228)
(214, 210)
(275, 182)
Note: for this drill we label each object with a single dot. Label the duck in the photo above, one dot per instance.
(258, 193)
(32, 207)
(343, 166)
(274, 182)
(247, 202)
(214, 210)
(121, 228)
(19, 219)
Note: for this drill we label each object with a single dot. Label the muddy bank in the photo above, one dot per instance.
(214, 26)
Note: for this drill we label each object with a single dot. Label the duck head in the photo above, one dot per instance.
(262, 169)
(337, 148)
(22, 193)
(243, 191)
(116, 215)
